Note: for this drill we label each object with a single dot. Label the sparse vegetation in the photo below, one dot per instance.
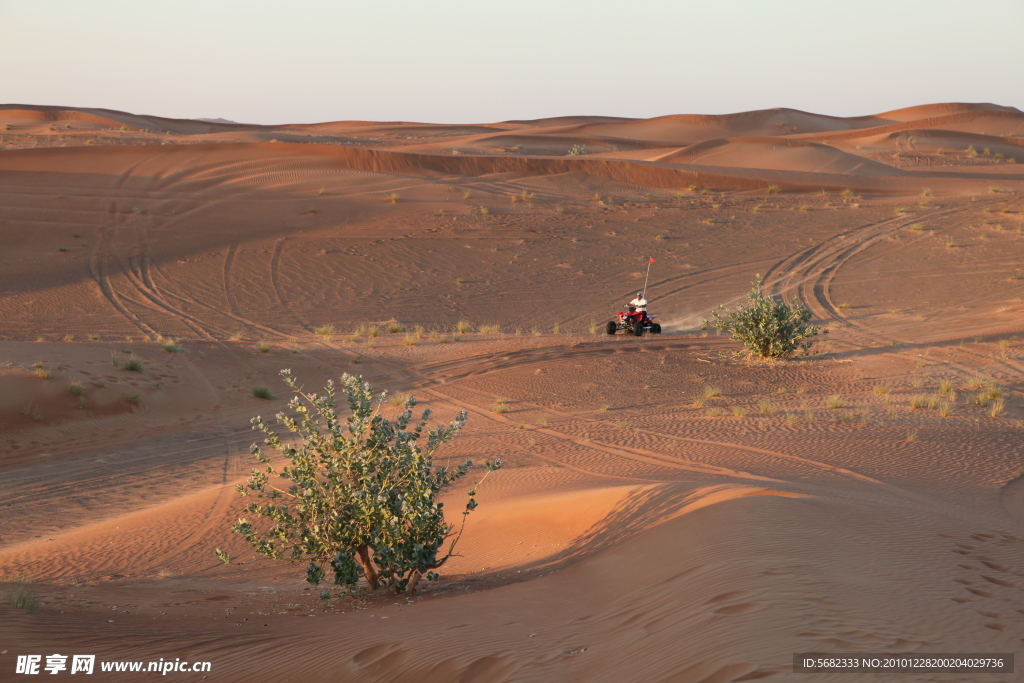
(262, 391)
(712, 392)
(264, 347)
(834, 402)
(133, 365)
(24, 596)
(767, 328)
(171, 346)
(462, 327)
(576, 150)
(362, 498)
(881, 389)
(75, 388)
(134, 398)
(325, 332)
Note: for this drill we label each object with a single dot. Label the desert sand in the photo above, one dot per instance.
(643, 528)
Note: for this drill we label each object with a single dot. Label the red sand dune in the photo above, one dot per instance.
(667, 510)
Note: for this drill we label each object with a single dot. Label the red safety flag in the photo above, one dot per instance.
(651, 261)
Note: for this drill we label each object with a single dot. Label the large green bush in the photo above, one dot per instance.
(358, 498)
(768, 328)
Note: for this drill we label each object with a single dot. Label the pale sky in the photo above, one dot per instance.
(303, 61)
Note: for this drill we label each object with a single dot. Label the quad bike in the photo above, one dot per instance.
(633, 322)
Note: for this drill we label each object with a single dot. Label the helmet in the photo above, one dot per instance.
(639, 293)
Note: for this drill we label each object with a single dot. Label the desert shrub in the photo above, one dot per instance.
(171, 346)
(576, 150)
(262, 391)
(768, 328)
(24, 596)
(362, 497)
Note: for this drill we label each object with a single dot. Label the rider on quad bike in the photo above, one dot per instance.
(635, 320)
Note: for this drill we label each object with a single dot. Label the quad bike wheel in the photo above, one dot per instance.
(655, 328)
(611, 327)
(638, 328)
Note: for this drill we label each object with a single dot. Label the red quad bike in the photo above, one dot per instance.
(633, 322)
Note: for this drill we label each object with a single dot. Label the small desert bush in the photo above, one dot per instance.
(576, 150)
(997, 407)
(834, 402)
(324, 331)
(715, 412)
(238, 336)
(765, 407)
(43, 373)
(171, 346)
(768, 328)
(881, 389)
(373, 331)
(791, 419)
(773, 189)
(489, 329)
(912, 435)
(360, 500)
(919, 401)
(24, 597)
(262, 391)
(395, 327)
(712, 392)
(409, 340)
(264, 347)
(945, 407)
(134, 398)
(977, 382)
(393, 197)
(133, 365)
(462, 327)
(739, 411)
(945, 387)
(75, 388)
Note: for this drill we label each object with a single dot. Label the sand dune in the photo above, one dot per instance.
(667, 511)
